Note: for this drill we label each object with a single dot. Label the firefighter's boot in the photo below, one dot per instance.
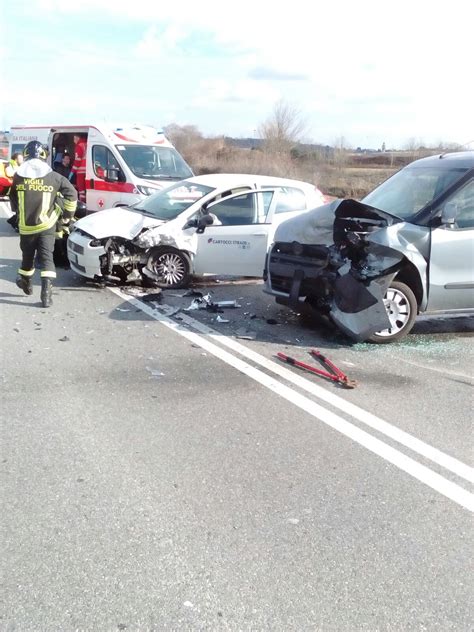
(24, 283)
(46, 292)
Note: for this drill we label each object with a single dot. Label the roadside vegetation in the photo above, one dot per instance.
(338, 170)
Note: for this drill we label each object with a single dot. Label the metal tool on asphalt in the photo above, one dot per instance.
(335, 374)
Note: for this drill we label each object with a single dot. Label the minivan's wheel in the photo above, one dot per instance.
(401, 306)
(171, 267)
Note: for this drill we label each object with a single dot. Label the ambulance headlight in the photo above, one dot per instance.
(146, 190)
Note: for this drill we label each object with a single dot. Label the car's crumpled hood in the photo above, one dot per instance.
(383, 239)
(115, 222)
(312, 227)
(322, 225)
(170, 234)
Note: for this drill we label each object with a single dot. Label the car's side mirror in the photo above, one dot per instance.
(203, 222)
(191, 223)
(449, 213)
(112, 175)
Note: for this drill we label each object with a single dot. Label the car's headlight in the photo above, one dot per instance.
(95, 243)
(146, 190)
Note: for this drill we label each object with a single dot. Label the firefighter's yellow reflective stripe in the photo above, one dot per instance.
(21, 208)
(48, 274)
(70, 206)
(45, 205)
(27, 273)
(31, 230)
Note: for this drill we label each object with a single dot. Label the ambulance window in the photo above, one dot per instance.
(104, 161)
(18, 147)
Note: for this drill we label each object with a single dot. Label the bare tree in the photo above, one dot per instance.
(341, 152)
(283, 129)
(414, 146)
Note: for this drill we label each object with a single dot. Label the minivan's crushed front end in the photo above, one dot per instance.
(341, 258)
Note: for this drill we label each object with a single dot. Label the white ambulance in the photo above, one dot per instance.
(123, 164)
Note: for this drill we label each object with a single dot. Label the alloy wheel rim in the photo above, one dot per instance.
(170, 268)
(398, 312)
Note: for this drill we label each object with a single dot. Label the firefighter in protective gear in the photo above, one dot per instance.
(79, 165)
(33, 197)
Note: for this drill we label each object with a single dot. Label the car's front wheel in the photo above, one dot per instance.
(171, 267)
(402, 308)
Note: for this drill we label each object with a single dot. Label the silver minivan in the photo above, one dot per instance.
(372, 266)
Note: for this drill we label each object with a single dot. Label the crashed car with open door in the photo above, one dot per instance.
(372, 266)
(169, 236)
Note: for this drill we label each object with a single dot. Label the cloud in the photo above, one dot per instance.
(351, 70)
(264, 73)
(157, 43)
(213, 93)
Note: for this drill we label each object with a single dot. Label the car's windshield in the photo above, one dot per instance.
(411, 189)
(173, 200)
(154, 163)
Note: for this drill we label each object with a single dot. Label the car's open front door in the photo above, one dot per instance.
(236, 244)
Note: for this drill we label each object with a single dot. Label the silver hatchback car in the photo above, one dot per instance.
(372, 266)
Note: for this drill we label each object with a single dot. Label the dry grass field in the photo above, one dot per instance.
(338, 173)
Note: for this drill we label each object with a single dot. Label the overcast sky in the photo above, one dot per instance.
(370, 72)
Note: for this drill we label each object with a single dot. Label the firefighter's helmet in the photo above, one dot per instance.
(34, 149)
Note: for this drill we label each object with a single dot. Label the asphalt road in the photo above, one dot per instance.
(164, 473)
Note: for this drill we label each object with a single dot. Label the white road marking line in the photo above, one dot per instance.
(5, 212)
(443, 371)
(404, 438)
(405, 463)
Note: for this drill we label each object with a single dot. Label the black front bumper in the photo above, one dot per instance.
(292, 277)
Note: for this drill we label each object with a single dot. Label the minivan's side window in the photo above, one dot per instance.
(103, 160)
(464, 200)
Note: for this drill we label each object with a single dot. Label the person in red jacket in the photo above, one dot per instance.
(79, 166)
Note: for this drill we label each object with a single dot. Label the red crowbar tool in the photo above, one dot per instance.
(336, 375)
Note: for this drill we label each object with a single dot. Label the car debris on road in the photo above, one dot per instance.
(205, 302)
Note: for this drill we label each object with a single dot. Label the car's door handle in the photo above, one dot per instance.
(260, 234)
